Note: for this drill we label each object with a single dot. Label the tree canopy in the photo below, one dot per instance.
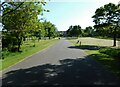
(20, 19)
(106, 20)
(74, 31)
(89, 31)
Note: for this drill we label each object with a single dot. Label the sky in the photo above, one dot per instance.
(64, 13)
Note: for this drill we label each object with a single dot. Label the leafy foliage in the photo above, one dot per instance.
(17, 23)
(89, 31)
(50, 29)
(20, 20)
(106, 20)
(74, 31)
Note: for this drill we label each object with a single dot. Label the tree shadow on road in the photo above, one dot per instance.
(87, 47)
(107, 56)
(79, 71)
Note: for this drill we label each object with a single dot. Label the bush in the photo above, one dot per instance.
(9, 42)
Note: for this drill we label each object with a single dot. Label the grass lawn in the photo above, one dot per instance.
(96, 41)
(27, 50)
(101, 50)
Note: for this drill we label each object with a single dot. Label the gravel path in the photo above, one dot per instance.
(61, 64)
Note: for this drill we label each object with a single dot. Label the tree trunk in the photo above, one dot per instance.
(19, 46)
(19, 43)
(114, 40)
(39, 38)
(114, 37)
(49, 37)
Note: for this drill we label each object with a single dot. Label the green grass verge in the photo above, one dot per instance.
(110, 63)
(27, 50)
(104, 54)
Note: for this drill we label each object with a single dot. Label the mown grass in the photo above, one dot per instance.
(101, 52)
(108, 38)
(28, 49)
(111, 62)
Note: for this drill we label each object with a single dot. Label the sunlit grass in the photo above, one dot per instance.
(109, 62)
(95, 41)
(28, 49)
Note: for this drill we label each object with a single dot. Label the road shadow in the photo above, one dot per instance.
(74, 47)
(80, 71)
(87, 47)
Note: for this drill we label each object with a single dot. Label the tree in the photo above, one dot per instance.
(40, 32)
(106, 20)
(69, 31)
(74, 31)
(19, 21)
(50, 29)
(88, 31)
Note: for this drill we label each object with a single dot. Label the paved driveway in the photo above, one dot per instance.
(60, 64)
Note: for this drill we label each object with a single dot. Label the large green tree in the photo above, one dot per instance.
(89, 31)
(106, 20)
(74, 31)
(19, 21)
(50, 29)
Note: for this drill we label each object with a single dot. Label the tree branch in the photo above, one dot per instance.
(14, 9)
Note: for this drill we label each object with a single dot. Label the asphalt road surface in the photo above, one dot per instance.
(61, 64)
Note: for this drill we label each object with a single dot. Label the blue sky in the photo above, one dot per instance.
(64, 13)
